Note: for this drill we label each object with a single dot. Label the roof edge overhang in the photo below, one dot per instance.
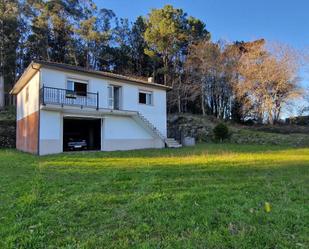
(35, 66)
(30, 71)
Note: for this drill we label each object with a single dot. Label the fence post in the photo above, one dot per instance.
(43, 95)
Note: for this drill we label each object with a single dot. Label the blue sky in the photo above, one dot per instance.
(275, 20)
(279, 20)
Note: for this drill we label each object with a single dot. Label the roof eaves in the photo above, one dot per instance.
(101, 73)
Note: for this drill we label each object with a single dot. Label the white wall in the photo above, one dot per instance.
(123, 128)
(155, 113)
(24, 108)
(50, 125)
(118, 133)
(51, 130)
(124, 133)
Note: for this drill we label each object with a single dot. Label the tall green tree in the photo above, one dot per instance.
(142, 63)
(9, 33)
(164, 33)
(122, 48)
(94, 32)
(37, 44)
(126, 54)
(66, 31)
(61, 14)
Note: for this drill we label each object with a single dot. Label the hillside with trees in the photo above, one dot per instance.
(236, 81)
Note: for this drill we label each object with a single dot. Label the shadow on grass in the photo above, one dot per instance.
(200, 149)
(224, 162)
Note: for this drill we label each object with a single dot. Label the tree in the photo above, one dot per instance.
(9, 33)
(168, 34)
(269, 77)
(210, 73)
(196, 30)
(123, 63)
(164, 33)
(51, 30)
(94, 33)
(303, 106)
(141, 62)
(61, 14)
(37, 44)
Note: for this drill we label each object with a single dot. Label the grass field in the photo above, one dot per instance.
(209, 196)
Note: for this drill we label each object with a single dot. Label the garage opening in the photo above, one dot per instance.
(81, 134)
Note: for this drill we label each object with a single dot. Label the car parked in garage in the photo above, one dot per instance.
(77, 144)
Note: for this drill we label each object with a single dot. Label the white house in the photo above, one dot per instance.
(62, 107)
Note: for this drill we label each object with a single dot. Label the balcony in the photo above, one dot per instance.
(64, 97)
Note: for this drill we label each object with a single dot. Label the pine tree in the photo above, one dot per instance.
(9, 33)
(142, 63)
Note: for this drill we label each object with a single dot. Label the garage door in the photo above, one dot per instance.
(81, 134)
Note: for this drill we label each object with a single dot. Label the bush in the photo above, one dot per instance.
(221, 132)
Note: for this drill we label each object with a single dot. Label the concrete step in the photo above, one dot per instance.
(171, 140)
(174, 146)
(172, 143)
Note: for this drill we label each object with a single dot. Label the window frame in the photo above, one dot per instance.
(71, 92)
(111, 99)
(147, 92)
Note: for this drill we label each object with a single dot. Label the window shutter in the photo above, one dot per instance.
(110, 97)
(148, 99)
(120, 98)
(70, 85)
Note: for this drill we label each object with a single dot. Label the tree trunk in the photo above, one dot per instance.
(179, 93)
(203, 100)
(1, 92)
(165, 65)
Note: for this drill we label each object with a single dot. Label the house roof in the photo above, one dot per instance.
(34, 66)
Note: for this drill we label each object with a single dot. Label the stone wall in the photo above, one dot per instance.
(183, 125)
(201, 128)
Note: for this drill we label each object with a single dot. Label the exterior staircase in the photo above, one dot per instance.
(172, 143)
(169, 142)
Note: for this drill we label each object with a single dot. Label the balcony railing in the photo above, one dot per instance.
(58, 96)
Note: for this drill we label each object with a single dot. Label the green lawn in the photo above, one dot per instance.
(209, 196)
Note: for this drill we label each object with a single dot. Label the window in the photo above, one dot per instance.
(114, 97)
(77, 87)
(145, 98)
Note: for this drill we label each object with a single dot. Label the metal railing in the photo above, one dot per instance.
(151, 126)
(59, 96)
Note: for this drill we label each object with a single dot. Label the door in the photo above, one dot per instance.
(114, 97)
(111, 97)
